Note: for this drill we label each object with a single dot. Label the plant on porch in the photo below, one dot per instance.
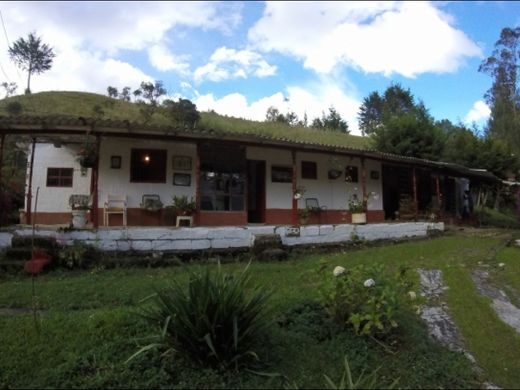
(87, 154)
(358, 207)
(183, 206)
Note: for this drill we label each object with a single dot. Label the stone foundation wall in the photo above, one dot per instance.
(206, 238)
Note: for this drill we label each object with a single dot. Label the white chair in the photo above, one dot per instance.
(115, 204)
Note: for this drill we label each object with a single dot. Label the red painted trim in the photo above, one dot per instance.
(139, 217)
(363, 179)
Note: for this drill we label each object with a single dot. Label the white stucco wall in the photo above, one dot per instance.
(331, 193)
(117, 181)
(56, 199)
(111, 181)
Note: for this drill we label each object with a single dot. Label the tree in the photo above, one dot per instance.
(9, 88)
(184, 113)
(32, 56)
(376, 109)
(149, 94)
(503, 97)
(332, 121)
(112, 92)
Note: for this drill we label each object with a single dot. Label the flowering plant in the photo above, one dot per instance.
(364, 298)
(298, 193)
(355, 205)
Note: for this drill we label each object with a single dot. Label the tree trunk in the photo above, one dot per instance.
(28, 90)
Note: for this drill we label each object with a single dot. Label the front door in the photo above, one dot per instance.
(255, 191)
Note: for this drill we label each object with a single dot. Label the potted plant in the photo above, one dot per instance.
(183, 206)
(357, 210)
(87, 155)
(80, 205)
(358, 207)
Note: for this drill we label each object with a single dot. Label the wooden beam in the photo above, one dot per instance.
(28, 200)
(94, 180)
(363, 179)
(197, 183)
(294, 215)
(2, 141)
(414, 181)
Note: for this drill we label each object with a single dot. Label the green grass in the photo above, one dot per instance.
(76, 104)
(88, 329)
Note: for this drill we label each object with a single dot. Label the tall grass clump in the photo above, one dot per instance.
(217, 320)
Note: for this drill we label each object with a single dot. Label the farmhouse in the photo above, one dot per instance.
(234, 178)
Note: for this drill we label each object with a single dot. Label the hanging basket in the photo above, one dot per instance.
(87, 161)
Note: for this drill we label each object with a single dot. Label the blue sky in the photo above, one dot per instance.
(239, 58)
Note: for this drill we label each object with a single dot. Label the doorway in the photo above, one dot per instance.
(255, 191)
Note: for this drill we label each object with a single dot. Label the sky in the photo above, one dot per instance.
(240, 58)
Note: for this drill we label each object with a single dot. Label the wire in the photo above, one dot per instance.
(8, 45)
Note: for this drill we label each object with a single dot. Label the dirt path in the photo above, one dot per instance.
(501, 304)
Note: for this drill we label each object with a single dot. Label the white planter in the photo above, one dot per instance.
(359, 218)
(79, 218)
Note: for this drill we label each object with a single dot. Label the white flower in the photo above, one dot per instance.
(501, 265)
(338, 271)
(412, 295)
(369, 283)
(297, 196)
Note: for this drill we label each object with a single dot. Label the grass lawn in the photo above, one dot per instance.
(89, 327)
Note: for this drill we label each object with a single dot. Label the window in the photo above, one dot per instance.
(309, 170)
(281, 174)
(222, 177)
(351, 174)
(59, 177)
(148, 166)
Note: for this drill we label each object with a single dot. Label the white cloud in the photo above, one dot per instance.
(407, 38)
(162, 59)
(88, 37)
(312, 101)
(479, 112)
(227, 63)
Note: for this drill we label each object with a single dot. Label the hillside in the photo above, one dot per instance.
(84, 104)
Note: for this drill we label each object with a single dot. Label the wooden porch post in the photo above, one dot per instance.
(363, 178)
(414, 178)
(2, 141)
(294, 216)
(94, 179)
(197, 184)
(28, 200)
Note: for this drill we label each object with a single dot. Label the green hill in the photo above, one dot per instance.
(90, 105)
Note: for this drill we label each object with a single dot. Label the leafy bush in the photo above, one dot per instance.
(213, 321)
(77, 255)
(363, 297)
(493, 218)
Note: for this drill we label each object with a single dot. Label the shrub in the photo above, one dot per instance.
(363, 297)
(77, 255)
(213, 321)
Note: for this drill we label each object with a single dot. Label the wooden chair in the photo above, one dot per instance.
(313, 206)
(115, 204)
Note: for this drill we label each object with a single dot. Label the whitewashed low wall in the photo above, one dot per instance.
(200, 238)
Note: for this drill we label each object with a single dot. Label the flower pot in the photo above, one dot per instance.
(87, 161)
(79, 218)
(359, 218)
